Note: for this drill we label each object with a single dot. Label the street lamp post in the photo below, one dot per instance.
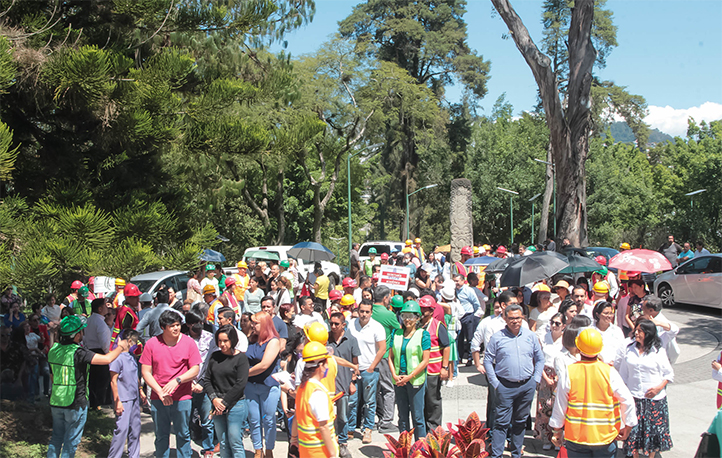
(532, 216)
(407, 204)
(554, 186)
(694, 193)
(511, 208)
(348, 179)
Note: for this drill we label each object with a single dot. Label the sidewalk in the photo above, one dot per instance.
(691, 398)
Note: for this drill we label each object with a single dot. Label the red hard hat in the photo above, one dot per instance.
(335, 295)
(77, 284)
(467, 251)
(91, 280)
(385, 256)
(349, 282)
(601, 260)
(427, 302)
(230, 281)
(501, 249)
(131, 290)
(375, 276)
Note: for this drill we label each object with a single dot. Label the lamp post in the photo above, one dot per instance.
(348, 179)
(694, 193)
(554, 186)
(532, 216)
(511, 208)
(407, 204)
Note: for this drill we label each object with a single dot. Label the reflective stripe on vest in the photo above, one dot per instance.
(310, 442)
(434, 367)
(593, 416)
(122, 311)
(414, 354)
(62, 364)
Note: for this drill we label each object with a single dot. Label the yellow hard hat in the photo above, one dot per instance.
(601, 287)
(406, 250)
(316, 332)
(119, 282)
(408, 242)
(476, 249)
(542, 287)
(486, 247)
(589, 342)
(314, 351)
(209, 289)
(417, 240)
(625, 246)
(242, 265)
(347, 300)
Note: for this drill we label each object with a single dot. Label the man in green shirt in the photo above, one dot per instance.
(371, 262)
(385, 398)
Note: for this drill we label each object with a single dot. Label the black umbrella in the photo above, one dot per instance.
(529, 269)
(498, 266)
(580, 264)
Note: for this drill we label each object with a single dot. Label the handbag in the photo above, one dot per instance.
(708, 446)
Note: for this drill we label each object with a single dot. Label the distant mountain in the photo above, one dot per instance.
(622, 133)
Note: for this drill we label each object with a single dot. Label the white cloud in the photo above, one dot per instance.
(674, 121)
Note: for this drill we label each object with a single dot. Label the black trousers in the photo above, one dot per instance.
(99, 384)
(465, 336)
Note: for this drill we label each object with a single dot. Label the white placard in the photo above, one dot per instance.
(395, 277)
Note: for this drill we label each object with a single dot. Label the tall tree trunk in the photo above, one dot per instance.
(280, 209)
(547, 198)
(568, 132)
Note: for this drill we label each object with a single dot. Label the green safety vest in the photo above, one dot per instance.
(62, 364)
(81, 308)
(414, 354)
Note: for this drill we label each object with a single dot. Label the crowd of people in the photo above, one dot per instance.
(329, 360)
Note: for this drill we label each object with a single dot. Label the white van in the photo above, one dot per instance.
(304, 266)
(382, 246)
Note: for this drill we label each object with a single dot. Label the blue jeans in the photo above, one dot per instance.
(352, 415)
(179, 413)
(204, 407)
(341, 424)
(262, 402)
(68, 427)
(410, 399)
(368, 383)
(33, 377)
(229, 428)
(512, 410)
(585, 451)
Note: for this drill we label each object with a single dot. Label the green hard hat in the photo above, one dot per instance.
(71, 324)
(285, 264)
(372, 250)
(84, 292)
(411, 306)
(397, 302)
(603, 271)
(210, 267)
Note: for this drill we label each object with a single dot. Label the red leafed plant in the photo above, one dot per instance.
(437, 444)
(404, 446)
(470, 437)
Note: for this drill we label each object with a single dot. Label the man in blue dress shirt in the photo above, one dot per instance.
(514, 362)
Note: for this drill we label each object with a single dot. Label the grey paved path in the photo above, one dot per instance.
(691, 398)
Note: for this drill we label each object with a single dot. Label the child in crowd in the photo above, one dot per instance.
(127, 399)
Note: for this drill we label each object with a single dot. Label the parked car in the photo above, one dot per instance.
(697, 281)
(382, 246)
(281, 251)
(149, 283)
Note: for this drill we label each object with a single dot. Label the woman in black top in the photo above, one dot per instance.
(225, 382)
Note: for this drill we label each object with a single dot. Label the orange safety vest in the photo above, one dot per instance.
(211, 317)
(593, 416)
(435, 357)
(241, 286)
(310, 442)
(122, 311)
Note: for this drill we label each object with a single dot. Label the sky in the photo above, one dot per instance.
(670, 52)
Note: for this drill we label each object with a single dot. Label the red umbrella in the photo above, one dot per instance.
(640, 260)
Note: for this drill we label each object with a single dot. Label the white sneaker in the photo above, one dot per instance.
(449, 383)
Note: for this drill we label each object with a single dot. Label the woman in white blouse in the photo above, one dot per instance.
(612, 335)
(645, 369)
(541, 312)
(552, 346)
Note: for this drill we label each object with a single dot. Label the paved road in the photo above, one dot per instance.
(691, 397)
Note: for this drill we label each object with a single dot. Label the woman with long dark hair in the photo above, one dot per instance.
(612, 336)
(552, 346)
(646, 370)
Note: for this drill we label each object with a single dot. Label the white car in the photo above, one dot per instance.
(304, 266)
(382, 246)
(697, 281)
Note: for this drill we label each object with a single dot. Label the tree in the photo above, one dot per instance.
(569, 124)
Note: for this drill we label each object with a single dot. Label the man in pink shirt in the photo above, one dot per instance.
(169, 364)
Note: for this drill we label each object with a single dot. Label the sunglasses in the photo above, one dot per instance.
(556, 323)
(336, 324)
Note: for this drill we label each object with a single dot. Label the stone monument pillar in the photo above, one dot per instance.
(462, 231)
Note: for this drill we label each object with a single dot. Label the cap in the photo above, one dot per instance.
(71, 324)
(375, 276)
(242, 265)
(406, 250)
(501, 249)
(91, 280)
(209, 289)
(347, 300)
(427, 267)
(486, 247)
(230, 281)
(131, 290)
(601, 287)
(334, 295)
(467, 251)
(412, 307)
(625, 246)
(285, 264)
(210, 267)
(397, 302)
(448, 293)
(417, 240)
(372, 250)
(384, 256)
(145, 297)
(427, 302)
(603, 271)
(77, 284)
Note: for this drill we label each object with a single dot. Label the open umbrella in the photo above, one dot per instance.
(529, 269)
(212, 256)
(498, 266)
(311, 251)
(480, 261)
(640, 260)
(580, 264)
(262, 254)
